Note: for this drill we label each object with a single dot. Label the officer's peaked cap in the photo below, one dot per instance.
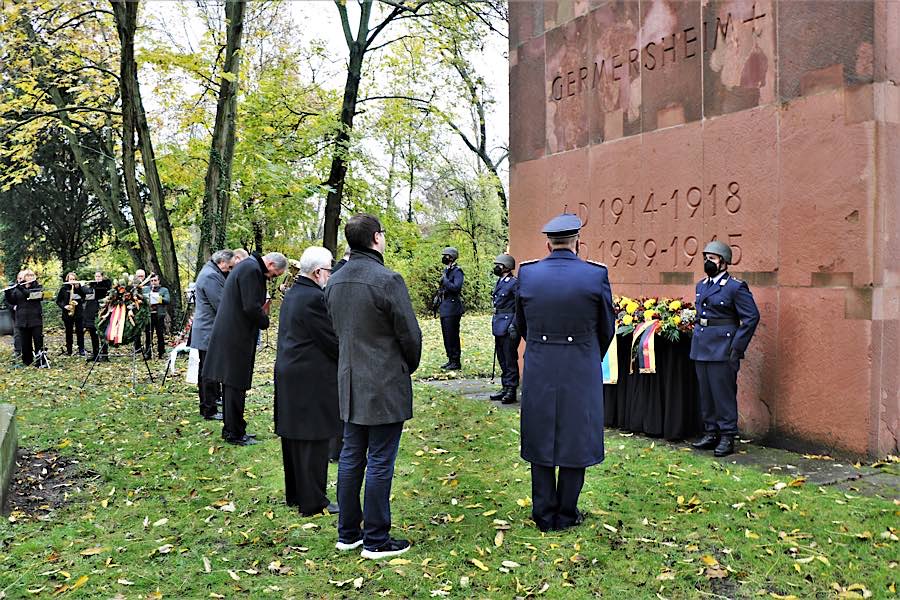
(450, 251)
(562, 226)
(720, 248)
(506, 260)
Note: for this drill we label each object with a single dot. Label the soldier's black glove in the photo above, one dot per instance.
(735, 356)
(513, 333)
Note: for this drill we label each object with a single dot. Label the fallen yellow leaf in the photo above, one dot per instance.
(478, 564)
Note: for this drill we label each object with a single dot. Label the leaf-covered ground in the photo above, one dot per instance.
(170, 511)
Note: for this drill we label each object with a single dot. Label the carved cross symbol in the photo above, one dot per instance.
(753, 18)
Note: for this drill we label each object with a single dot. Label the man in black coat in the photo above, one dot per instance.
(306, 392)
(380, 346)
(243, 311)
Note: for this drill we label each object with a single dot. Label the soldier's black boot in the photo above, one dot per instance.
(510, 397)
(499, 395)
(707, 442)
(725, 447)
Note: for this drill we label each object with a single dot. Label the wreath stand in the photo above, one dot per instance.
(113, 310)
(133, 354)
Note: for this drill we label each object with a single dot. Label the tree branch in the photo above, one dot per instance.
(51, 113)
(345, 22)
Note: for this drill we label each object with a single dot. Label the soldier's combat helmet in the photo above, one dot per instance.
(506, 261)
(719, 248)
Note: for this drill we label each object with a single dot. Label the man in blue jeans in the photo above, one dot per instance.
(379, 346)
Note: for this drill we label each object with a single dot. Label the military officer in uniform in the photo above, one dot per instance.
(564, 312)
(451, 307)
(504, 300)
(726, 319)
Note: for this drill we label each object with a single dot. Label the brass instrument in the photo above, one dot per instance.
(290, 276)
(72, 305)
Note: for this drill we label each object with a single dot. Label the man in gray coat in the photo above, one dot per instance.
(207, 294)
(380, 345)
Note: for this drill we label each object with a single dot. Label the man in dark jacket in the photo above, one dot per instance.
(306, 392)
(564, 311)
(243, 311)
(26, 297)
(207, 295)
(71, 295)
(727, 318)
(380, 346)
(93, 295)
(505, 345)
(158, 298)
(451, 308)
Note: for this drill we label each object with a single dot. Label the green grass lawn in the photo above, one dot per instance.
(168, 510)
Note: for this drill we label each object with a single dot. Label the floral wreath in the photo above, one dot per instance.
(123, 315)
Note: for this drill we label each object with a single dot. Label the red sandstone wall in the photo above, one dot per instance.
(774, 126)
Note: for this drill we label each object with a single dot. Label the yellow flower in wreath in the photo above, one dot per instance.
(649, 314)
(650, 303)
(627, 320)
(631, 308)
(676, 319)
(674, 304)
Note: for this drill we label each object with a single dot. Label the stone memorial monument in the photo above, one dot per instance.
(771, 125)
(8, 447)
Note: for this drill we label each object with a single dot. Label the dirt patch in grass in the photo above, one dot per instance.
(44, 480)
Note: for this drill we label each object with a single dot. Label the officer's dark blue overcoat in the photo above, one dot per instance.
(564, 312)
(504, 300)
(451, 284)
(727, 299)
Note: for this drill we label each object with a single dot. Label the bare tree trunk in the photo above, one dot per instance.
(126, 24)
(338, 172)
(134, 121)
(109, 201)
(216, 197)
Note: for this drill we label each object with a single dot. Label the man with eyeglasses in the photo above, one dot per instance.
(380, 346)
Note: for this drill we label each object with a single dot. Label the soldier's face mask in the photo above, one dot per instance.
(446, 259)
(498, 270)
(711, 266)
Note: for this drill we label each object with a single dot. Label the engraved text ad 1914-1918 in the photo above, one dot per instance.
(680, 206)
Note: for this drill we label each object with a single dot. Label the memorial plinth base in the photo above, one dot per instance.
(8, 446)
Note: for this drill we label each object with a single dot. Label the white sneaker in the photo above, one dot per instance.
(349, 546)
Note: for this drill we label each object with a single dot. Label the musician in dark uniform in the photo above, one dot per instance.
(451, 307)
(726, 320)
(504, 300)
(26, 297)
(564, 312)
(93, 295)
(71, 294)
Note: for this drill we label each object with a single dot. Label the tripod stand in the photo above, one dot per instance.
(135, 350)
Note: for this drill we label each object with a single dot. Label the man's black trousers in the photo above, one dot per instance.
(450, 331)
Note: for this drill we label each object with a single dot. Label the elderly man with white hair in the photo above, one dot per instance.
(243, 311)
(306, 395)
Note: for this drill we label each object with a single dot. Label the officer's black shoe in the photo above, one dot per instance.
(499, 395)
(446, 364)
(455, 366)
(707, 442)
(725, 447)
(510, 397)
